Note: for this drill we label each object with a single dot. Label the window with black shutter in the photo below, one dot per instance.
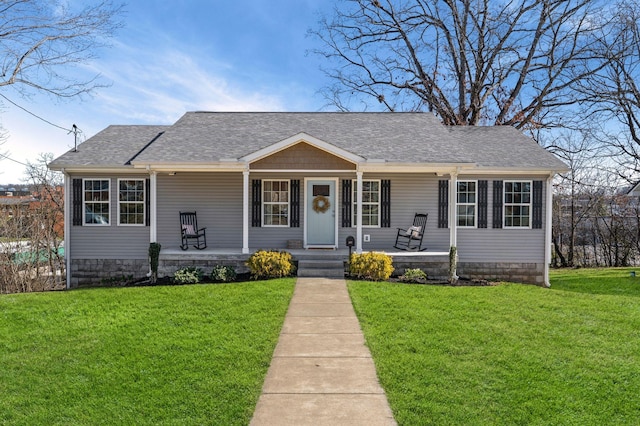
(483, 202)
(443, 204)
(256, 203)
(76, 201)
(346, 203)
(536, 222)
(497, 204)
(295, 203)
(385, 203)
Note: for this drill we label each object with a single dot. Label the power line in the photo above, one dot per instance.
(15, 161)
(36, 116)
(75, 130)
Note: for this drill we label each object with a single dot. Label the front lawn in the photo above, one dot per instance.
(508, 354)
(194, 354)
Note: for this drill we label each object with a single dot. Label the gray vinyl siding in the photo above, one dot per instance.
(215, 197)
(502, 245)
(410, 194)
(112, 241)
(276, 237)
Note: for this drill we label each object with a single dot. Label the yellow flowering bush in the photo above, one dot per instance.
(371, 266)
(265, 264)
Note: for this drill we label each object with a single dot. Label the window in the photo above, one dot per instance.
(370, 203)
(131, 202)
(467, 203)
(275, 203)
(95, 196)
(517, 204)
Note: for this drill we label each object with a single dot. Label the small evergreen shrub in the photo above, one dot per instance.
(223, 273)
(370, 266)
(265, 264)
(413, 276)
(188, 275)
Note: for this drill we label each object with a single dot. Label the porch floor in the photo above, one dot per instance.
(192, 253)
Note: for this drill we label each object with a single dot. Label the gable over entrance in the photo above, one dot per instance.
(302, 152)
(302, 156)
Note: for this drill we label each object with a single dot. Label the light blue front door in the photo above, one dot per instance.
(320, 211)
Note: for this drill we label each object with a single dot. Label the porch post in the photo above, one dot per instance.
(547, 231)
(453, 208)
(245, 211)
(67, 226)
(359, 210)
(153, 204)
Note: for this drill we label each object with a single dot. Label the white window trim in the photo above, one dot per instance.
(144, 202)
(475, 204)
(354, 202)
(288, 225)
(84, 202)
(505, 204)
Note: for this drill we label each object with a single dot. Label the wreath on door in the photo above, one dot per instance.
(321, 204)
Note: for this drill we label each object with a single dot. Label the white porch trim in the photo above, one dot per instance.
(453, 201)
(245, 211)
(359, 213)
(153, 205)
(453, 209)
(547, 230)
(297, 138)
(67, 226)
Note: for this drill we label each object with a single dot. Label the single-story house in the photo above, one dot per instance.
(268, 180)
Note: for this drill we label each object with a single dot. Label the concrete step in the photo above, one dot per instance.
(325, 268)
(320, 263)
(321, 273)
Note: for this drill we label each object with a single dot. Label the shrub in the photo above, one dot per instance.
(413, 276)
(223, 273)
(270, 264)
(370, 266)
(188, 275)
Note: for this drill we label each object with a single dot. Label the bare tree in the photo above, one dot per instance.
(470, 62)
(31, 252)
(614, 91)
(577, 192)
(40, 39)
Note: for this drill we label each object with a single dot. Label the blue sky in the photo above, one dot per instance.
(178, 56)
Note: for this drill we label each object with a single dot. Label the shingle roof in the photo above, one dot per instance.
(209, 137)
(112, 147)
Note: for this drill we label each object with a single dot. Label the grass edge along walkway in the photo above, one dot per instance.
(509, 354)
(194, 354)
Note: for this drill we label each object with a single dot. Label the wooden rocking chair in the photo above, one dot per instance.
(411, 239)
(190, 231)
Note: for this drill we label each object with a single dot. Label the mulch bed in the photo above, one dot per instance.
(462, 282)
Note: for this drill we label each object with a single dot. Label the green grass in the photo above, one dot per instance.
(147, 355)
(509, 354)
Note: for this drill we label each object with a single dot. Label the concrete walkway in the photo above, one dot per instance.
(322, 372)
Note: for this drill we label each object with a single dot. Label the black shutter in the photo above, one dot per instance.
(443, 204)
(385, 203)
(256, 203)
(536, 220)
(346, 203)
(482, 203)
(295, 203)
(497, 204)
(76, 202)
(147, 202)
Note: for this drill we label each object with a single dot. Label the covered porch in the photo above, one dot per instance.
(434, 263)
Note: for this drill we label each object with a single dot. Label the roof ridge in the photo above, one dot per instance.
(143, 148)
